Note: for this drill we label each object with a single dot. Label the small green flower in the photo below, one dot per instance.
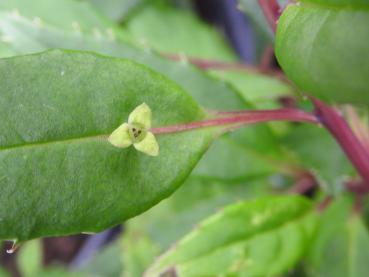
(136, 132)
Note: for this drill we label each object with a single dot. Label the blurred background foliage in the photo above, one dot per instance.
(254, 161)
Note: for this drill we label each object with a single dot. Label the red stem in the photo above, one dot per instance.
(205, 64)
(271, 12)
(212, 64)
(241, 118)
(350, 144)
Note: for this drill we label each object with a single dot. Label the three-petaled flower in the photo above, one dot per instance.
(136, 132)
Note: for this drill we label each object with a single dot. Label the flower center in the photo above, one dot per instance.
(137, 133)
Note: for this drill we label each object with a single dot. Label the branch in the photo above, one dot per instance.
(241, 118)
(343, 134)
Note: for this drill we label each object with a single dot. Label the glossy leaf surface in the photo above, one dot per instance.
(323, 47)
(59, 175)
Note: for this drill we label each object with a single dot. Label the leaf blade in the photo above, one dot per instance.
(76, 182)
(229, 231)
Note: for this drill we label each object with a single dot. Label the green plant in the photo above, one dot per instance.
(59, 174)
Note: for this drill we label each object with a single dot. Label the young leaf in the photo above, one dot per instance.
(323, 47)
(59, 175)
(262, 237)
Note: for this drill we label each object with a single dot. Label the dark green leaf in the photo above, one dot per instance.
(257, 238)
(323, 47)
(58, 173)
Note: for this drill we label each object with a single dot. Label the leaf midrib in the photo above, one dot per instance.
(101, 137)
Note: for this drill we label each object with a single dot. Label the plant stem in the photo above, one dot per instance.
(240, 118)
(213, 64)
(205, 64)
(343, 134)
(271, 12)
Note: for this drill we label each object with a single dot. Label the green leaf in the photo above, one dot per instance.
(341, 246)
(59, 174)
(261, 90)
(257, 238)
(116, 9)
(171, 30)
(4, 273)
(138, 252)
(105, 263)
(172, 218)
(330, 166)
(210, 92)
(82, 18)
(323, 48)
(253, 10)
(29, 258)
(24, 36)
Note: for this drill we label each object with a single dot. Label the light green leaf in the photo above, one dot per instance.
(148, 145)
(121, 137)
(138, 252)
(341, 246)
(105, 263)
(29, 258)
(171, 30)
(261, 90)
(81, 19)
(331, 167)
(23, 36)
(116, 10)
(59, 175)
(172, 218)
(323, 47)
(243, 239)
(141, 116)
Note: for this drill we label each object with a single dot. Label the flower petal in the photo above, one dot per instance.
(141, 116)
(120, 137)
(148, 145)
